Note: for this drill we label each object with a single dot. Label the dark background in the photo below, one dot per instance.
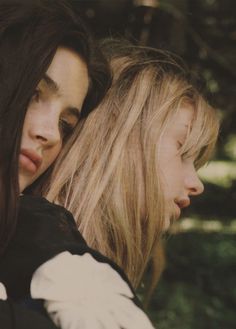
(198, 287)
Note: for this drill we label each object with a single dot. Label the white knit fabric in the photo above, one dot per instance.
(82, 293)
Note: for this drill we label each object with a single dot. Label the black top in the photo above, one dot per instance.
(43, 231)
(13, 316)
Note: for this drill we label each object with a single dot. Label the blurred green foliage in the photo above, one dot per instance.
(221, 173)
(198, 287)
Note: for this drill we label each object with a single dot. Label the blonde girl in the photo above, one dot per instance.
(134, 166)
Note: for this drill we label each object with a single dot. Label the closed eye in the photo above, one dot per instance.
(179, 145)
(36, 95)
(181, 152)
(66, 129)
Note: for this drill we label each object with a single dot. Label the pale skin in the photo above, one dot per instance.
(180, 177)
(52, 114)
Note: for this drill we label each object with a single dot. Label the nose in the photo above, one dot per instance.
(47, 135)
(43, 127)
(193, 183)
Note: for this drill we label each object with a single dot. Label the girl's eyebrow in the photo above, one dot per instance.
(188, 126)
(53, 87)
(183, 127)
(50, 84)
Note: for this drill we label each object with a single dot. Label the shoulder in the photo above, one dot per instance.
(37, 212)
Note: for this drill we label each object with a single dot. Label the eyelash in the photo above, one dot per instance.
(36, 95)
(182, 155)
(179, 145)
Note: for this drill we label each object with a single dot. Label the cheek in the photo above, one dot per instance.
(28, 122)
(51, 155)
(172, 179)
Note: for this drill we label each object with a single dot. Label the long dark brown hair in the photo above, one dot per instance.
(30, 34)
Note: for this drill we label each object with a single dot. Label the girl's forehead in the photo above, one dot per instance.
(185, 112)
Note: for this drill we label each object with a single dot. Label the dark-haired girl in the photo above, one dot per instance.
(51, 76)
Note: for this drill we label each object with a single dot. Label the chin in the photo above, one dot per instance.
(167, 224)
(23, 183)
(170, 219)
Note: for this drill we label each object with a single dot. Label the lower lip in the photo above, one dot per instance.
(27, 164)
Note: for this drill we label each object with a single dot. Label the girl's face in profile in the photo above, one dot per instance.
(180, 179)
(52, 114)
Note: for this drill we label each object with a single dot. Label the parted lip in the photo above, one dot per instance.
(33, 156)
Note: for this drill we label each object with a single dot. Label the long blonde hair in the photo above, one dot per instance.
(109, 176)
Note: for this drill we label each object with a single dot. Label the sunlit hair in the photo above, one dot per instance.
(110, 178)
